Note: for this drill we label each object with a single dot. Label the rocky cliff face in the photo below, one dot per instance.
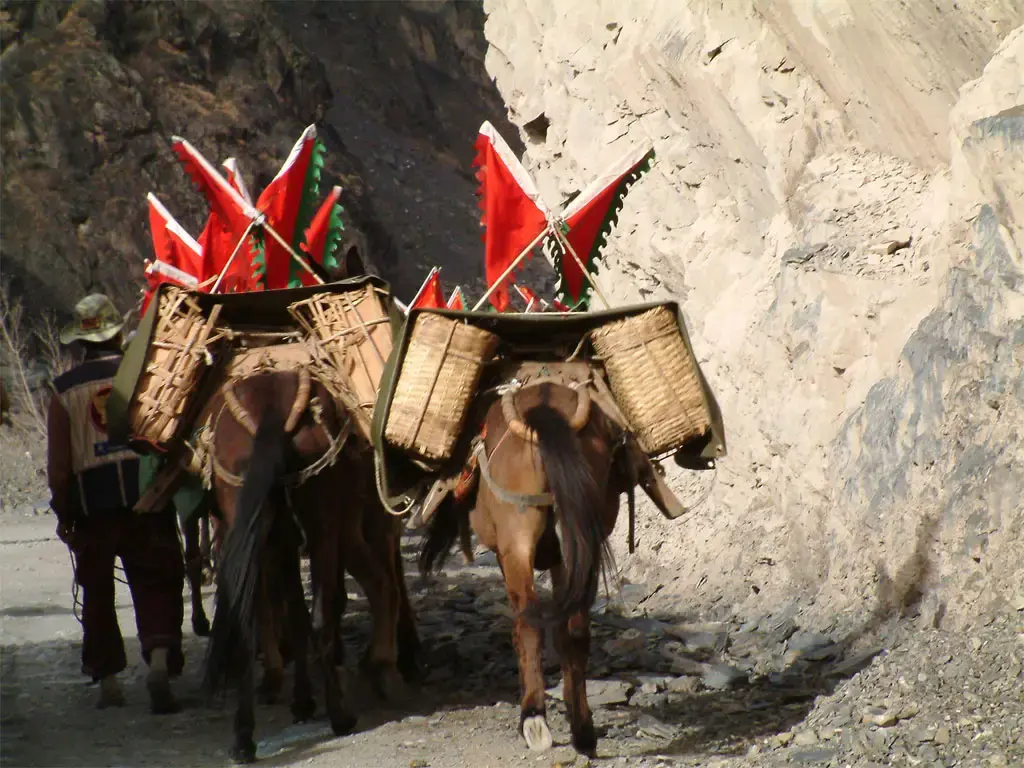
(838, 206)
(92, 92)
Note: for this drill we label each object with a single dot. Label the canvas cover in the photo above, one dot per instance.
(240, 311)
(401, 480)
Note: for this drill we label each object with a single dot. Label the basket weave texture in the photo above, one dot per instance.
(436, 385)
(352, 335)
(175, 362)
(654, 379)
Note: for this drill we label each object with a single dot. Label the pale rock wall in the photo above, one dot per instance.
(798, 142)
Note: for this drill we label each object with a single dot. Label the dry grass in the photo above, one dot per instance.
(22, 351)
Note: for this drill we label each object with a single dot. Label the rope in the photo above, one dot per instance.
(378, 477)
(76, 604)
(295, 478)
(520, 500)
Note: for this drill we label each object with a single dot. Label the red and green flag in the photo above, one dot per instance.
(586, 222)
(323, 235)
(289, 202)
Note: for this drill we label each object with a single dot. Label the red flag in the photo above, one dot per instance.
(455, 301)
(235, 178)
(323, 234)
(514, 214)
(430, 294)
(281, 201)
(172, 245)
(179, 258)
(590, 217)
(230, 215)
(560, 306)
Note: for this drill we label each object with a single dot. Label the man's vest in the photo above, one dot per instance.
(106, 475)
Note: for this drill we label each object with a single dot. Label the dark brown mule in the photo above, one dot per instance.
(258, 451)
(547, 498)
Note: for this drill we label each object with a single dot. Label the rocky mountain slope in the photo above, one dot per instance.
(838, 206)
(93, 91)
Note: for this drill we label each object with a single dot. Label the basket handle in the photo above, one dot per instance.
(433, 382)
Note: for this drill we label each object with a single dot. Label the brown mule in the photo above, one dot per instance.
(547, 499)
(257, 453)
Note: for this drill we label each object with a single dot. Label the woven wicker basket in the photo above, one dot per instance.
(351, 335)
(176, 360)
(436, 385)
(654, 379)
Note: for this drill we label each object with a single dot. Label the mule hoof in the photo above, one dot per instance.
(537, 733)
(201, 626)
(343, 724)
(303, 711)
(386, 681)
(584, 740)
(243, 753)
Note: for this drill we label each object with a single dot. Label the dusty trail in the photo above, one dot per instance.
(669, 693)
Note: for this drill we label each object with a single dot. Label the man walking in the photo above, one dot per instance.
(93, 486)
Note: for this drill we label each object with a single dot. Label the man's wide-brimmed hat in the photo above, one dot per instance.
(96, 320)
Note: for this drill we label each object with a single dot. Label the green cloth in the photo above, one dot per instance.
(187, 499)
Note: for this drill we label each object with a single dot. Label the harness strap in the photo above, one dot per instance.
(521, 500)
(295, 478)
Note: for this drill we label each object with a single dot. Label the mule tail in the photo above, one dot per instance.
(579, 503)
(234, 636)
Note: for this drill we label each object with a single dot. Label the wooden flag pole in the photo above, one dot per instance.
(590, 278)
(238, 247)
(302, 262)
(504, 275)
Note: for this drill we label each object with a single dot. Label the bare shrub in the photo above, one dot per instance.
(19, 349)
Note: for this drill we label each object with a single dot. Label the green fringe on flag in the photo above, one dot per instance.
(259, 259)
(592, 260)
(333, 240)
(307, 206)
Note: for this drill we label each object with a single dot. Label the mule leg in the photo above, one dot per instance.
(194, 572)
(573, 643)
(339, 604)
(384, 537)
(326, 633)
(303, 703)
(375, 577)
(327, 538)
(409, 648)
(517, 566)
(273, 662)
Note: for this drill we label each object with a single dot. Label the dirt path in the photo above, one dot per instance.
(666, 692)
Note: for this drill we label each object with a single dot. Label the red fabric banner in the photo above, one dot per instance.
(513, 213)
(430, 294)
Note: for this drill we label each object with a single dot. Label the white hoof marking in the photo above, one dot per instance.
(536, 733)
